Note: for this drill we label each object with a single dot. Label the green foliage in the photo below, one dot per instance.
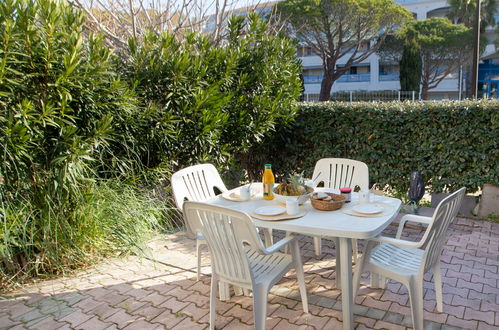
(61, 106)
(410, 65)
(464, 11)
(203, 103)
(452, 144)
(337, 29)
(81, 127)
(443, 47)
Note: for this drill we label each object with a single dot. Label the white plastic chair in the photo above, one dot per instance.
(407, 261)
(196, 183)
(336, 173)
(239, 257)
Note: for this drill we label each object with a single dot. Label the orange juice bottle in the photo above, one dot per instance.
(268, 182)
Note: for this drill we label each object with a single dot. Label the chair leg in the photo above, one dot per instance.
(317, 246)
(267, 235)
(437, 276)
(416, 298)
(224, 291)
(375, 280)
(260, 296)
(213, 300)
(356, 276)
(198, 253)
(355, 251)
(295, 251)
(286, 248)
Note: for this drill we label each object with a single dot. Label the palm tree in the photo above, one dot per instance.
(463, 11)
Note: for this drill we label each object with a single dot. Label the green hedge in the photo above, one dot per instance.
(453, 144)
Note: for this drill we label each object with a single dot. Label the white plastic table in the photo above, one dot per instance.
(327, 224)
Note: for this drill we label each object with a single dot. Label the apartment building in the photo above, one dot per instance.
(374, 75)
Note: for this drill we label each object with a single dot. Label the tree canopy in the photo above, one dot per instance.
(444, 47)
(341, 29)
(464, 11)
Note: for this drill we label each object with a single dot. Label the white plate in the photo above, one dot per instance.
(233, 196)
(270, 210)
(367, 208)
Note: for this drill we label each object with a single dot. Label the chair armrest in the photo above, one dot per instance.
(395, 241)
(412, 218)
(279, 245)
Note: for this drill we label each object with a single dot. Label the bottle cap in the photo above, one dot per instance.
(346, 190)
(268, 165)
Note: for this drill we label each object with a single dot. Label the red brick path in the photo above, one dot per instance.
(135, 293)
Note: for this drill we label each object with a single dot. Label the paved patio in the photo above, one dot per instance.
(162, 292)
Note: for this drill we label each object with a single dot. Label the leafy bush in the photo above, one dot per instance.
(60, 105)
(202, 102)
(453, 144)
(82, 128)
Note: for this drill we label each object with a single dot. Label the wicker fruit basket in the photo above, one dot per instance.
(335, 203)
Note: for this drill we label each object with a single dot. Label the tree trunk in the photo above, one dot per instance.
(424, 91)
(326, 85)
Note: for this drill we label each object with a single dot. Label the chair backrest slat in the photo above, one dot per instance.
(341, 172)
(228, 234)
(196, 183)
(445, 212)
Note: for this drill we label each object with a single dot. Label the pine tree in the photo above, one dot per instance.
(411, 66)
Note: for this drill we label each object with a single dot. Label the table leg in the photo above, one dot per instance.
(346, 282)
(338, 262)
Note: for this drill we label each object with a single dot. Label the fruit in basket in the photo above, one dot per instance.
(294, 186)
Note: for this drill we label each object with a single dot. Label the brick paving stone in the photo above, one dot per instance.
(402, 299)
(155, 298)
(286, 325)
(471, 314)
(386, 325)
(194, 312)
(148, 311)
(240, 313)
(174, 305)
(188, 324)
(31, 317)
(47, 323)
(103, 311)
(87, 304)
(368, 322)
(199, 300)
(6, 322)
(478, 287)
(460, 301)
(18, 309)
(220, 321)
(75, 318)
(122, 319)
(93, 323)
(451, 320)
(435, 317)
(370, 302)
(399, 309)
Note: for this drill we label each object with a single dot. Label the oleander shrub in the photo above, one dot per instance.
(62, 113)
(453, 144)
(205, 102)
(86, 131)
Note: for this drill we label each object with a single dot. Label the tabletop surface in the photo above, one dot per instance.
(321, 223)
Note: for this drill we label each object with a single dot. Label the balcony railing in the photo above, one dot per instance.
(361, 77)
(317, 79)
(389, 76)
